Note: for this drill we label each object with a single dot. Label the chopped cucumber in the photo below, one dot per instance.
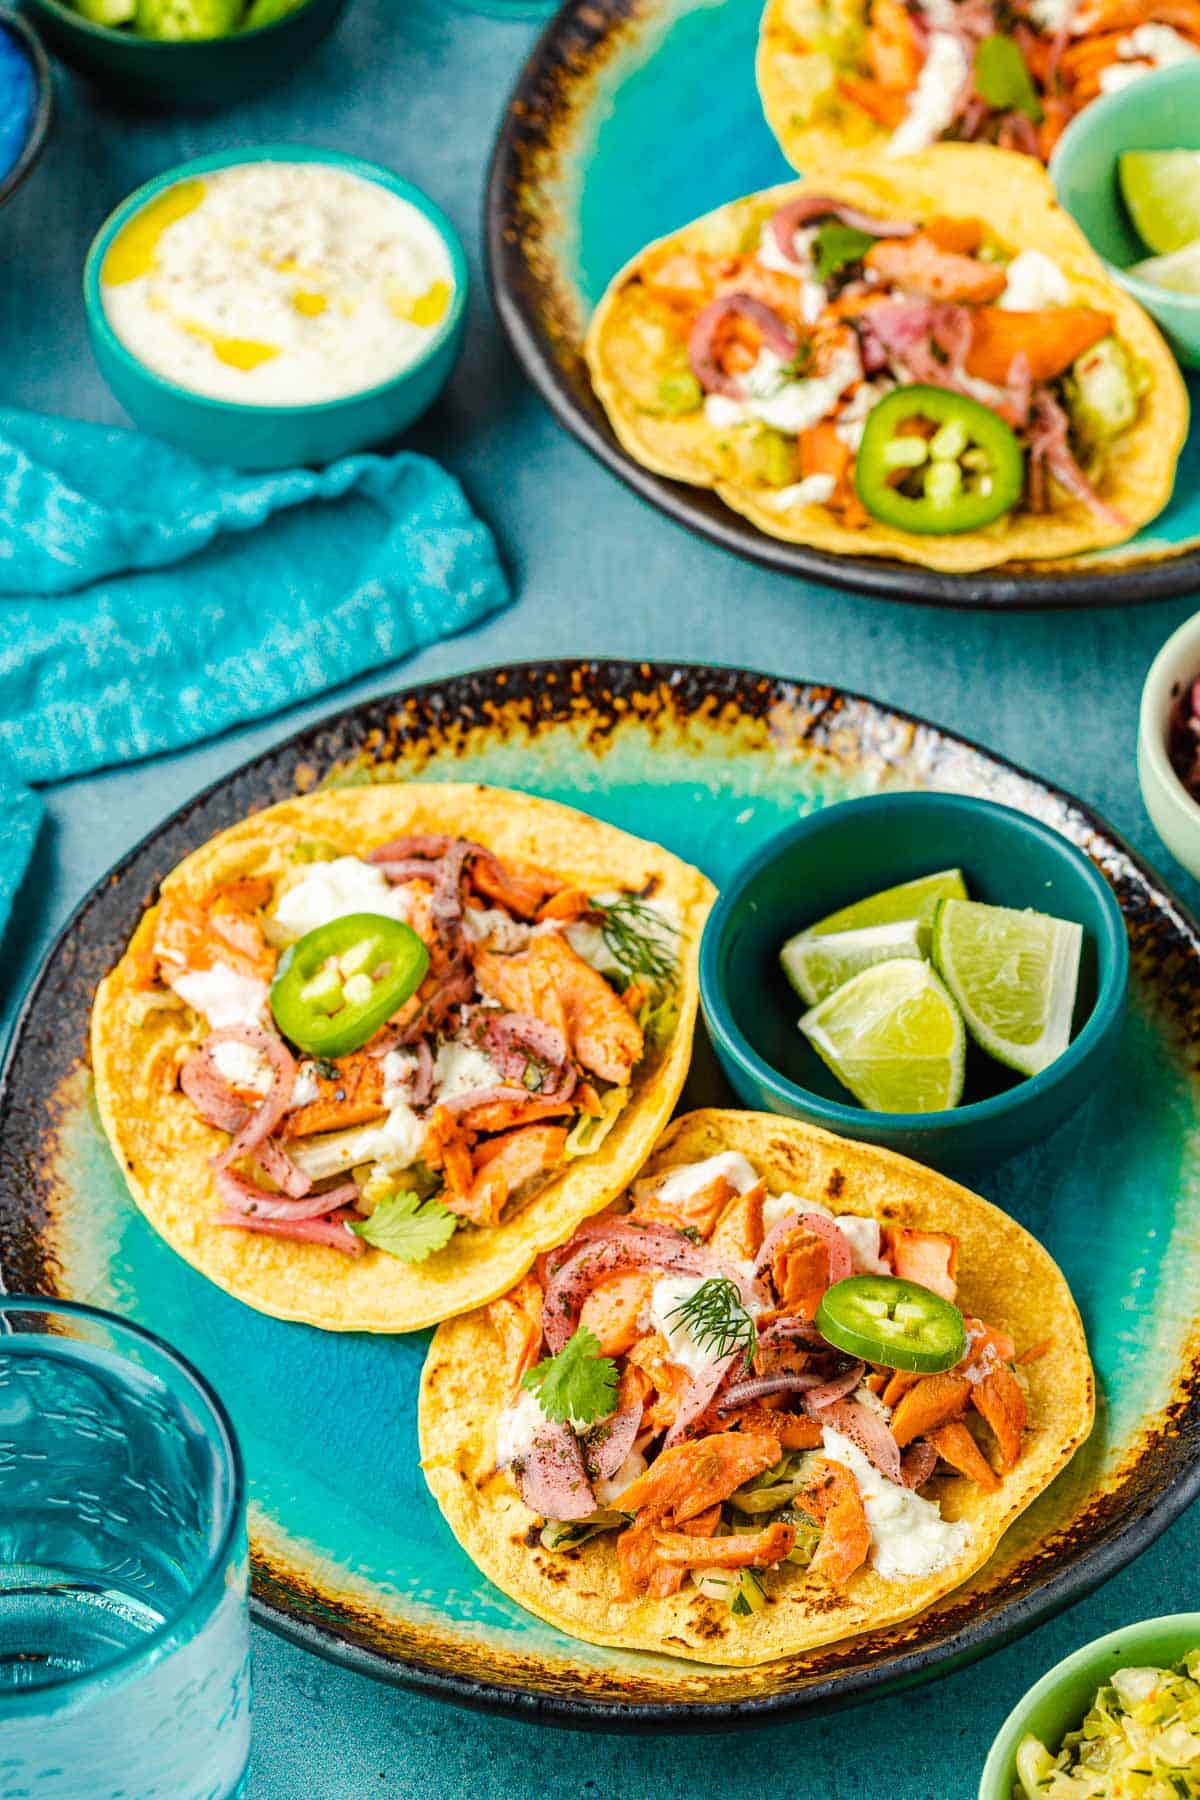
(180, 20)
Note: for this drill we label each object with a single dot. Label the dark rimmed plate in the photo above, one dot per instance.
(350, 1554)
(630, 118)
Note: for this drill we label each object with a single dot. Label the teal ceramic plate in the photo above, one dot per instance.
(630, 118)
(350, 1554)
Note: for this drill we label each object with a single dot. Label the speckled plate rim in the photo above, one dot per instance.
(1039, 1601)
(574, 37)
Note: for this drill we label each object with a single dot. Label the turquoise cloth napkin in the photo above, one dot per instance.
(148, 600)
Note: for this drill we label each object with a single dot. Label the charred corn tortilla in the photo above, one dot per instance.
(816, 124)
(1004, 1277)
(163, 1146)
(1012, 195)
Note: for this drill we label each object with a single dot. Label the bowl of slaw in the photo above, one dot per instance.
(1066, 1695)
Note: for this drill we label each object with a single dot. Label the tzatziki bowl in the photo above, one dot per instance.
(276, 305)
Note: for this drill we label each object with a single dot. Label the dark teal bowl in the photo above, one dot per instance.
(1059, 1702)
(848, 851)
(199, 72)
(275, 437)
(1157, 112)
(27, 40)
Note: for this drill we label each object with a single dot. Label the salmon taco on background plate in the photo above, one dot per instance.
(375, 1048)
(889, 77)
(926, 362)
(788, 1388)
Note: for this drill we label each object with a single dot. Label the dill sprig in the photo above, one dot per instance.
(717, 1319)
(638, 937)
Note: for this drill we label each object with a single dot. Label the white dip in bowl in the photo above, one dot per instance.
(277, 284)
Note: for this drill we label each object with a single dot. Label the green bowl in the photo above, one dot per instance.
(1057, 1703)
(1175, 815)
(274, 437)
(199, 72)
(848, 851)
(1158, 112)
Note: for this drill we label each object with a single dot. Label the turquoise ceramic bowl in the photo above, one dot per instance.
(274, 437)
(1159, 112)
(200, 72)
(1057, 1703)
(854, 849)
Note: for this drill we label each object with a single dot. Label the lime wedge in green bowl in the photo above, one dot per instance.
(1161, 188)
(894, 905)
(1014, 975)
(894, 1037)
(817, 966)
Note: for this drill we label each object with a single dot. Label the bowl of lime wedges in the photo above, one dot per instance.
(1127, 169)
(927, 971)
(184, 53)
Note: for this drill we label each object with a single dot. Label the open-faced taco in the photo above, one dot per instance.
(787, 1389)
(375, 1048)
(889, 77)
(924, 361)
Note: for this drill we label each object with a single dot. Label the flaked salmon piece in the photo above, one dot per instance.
(517, 1320)
(684, 277)
(221, 928)
(643, 1571)
(353, 1097)
(896, 1385)
(834, 1499)
(795, 1431)
(446, 1148)
(891, 47)
(691, 1477)
(613, 1307)
(999, 1400)
(782, 292)
(506, 1115)
(929, 1258)
(554, 984)
(934, 1401)
(956, 1446)
(800, 1271)
(918, 266)
(519, 891)
(745, 1550)
(1049, 340)
(738, 1233)
(566, 906)
(505, 1165)
(669, 1380)
(987, 1347)
(697, 1211)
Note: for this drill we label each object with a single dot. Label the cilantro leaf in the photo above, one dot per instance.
(1002, 78)
(578, 1384)
(408, 1227)
(835, 245)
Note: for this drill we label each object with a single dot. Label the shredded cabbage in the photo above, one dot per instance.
(1139, 1741)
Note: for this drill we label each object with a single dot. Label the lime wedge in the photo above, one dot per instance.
(1179, 272)
(893, 1035)
(911, 900)
(1161, 188)
(817, 966)
(106, 12)
(1014, 976)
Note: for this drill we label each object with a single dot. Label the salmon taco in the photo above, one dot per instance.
(860, 363)
(882, 78)
(786, 1389)
(373, 1049)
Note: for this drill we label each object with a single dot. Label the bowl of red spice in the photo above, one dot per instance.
(1169, 744)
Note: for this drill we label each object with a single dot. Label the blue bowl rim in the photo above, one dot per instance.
(999, 1754)
(1096, 116)
(213, 1574)
(1112, 953)
(225, 159)
(43, 110)
(64, 14)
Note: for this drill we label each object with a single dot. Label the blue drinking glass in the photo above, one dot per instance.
(124, 1623)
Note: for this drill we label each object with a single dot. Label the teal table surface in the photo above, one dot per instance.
(421, 87)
